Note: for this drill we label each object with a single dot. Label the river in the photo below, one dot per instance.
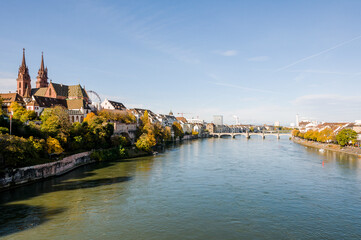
(204, 189)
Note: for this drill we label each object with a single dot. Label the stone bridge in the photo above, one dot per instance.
(249, 134)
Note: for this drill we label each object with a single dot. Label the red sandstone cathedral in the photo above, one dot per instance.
(73, 97)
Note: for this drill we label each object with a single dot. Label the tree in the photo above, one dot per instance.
(346, 136)
(55, 122)
(295, 132)
(17, 110)
(177, 129)
(54, 146)
(89, 116)
(145, 142)
(117, 115)
(326, 135)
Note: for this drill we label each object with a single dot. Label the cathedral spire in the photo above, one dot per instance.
(42, 62)
(23, 80)
(23, 64)
(42, 78)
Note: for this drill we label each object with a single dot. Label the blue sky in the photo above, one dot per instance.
(263, 61)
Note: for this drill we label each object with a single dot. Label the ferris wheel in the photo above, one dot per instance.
(94, 97)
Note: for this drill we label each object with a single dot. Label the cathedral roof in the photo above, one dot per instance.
(76, 104)
(73, 91)
(48, 102)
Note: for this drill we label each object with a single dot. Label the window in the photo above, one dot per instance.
(19, 84)
(49, 91)
(72, 118)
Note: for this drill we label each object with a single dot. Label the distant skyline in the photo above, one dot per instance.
(263, 61)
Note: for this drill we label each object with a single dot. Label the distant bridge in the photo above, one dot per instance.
(249, 134)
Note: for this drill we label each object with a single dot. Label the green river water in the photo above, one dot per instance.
(204, 189)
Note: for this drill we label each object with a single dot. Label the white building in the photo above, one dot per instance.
(112, 105)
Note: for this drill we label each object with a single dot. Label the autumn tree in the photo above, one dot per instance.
(53, 146)
(177, 129)
(295, 132)
(147, 139)
(326, 135)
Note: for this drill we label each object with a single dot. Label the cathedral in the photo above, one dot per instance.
(73, 97)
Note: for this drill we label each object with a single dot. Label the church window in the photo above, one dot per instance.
(49, 91)
(26, 85)
(19, 84)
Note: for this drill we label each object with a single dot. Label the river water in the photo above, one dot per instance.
(205, 189)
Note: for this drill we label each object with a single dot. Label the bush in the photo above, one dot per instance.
(109, 154)
(4, 130)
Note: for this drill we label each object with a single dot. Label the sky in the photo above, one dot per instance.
(262, 61)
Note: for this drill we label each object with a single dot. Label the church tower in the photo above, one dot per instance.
(23, 80)
(42, 78)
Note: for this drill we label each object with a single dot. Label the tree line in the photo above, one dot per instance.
(36, 140)
(344, 137)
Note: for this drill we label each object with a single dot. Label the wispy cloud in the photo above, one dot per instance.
(258, 59)
(318, 54)
(228, 53)
(322, 72)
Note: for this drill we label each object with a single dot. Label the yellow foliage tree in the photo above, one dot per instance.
(53, 146)
(89, 116)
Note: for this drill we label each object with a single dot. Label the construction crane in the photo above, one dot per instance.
(183, 113)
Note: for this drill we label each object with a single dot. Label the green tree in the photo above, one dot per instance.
(55, 122)
(346, 136)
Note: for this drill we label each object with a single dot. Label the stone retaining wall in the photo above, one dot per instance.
(20, 176)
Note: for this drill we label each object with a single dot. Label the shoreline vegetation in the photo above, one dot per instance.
(50, 137)
(328, 146)
(13, 178)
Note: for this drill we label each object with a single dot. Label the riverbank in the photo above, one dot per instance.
(21, 176)
(329, 146)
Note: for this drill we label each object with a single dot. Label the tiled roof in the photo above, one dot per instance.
(73, 91)
(76, 104)
(182, 119)
(117, 105)
(40, 92)
(76, 91)
(48, 102)
(10, 97)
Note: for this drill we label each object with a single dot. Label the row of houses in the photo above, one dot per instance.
(305, 126)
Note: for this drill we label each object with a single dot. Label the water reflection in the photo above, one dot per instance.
(19, 217)
(207, 189)
(330, 157)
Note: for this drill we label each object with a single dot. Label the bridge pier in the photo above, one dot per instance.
(263, 136)
(247, 135)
